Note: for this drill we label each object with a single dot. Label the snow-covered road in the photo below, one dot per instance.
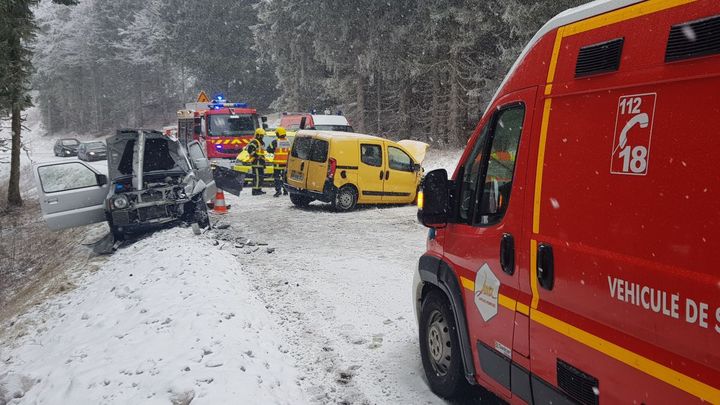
(322, 314)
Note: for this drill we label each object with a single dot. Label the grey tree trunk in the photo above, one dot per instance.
(405, 94)
(454, 122)
(360, 99)
(14, 198)
(437, 133)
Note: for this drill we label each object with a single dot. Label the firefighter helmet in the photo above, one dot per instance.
(280, 132)
(259, 133)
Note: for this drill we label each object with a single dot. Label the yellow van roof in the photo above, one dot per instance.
(338, 135)
(416, 148)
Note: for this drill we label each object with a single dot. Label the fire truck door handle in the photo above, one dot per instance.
(545, 266)
(507, 254)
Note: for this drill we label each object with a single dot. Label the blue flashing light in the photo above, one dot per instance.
(119, 187)
(218, 147)
(240, 105)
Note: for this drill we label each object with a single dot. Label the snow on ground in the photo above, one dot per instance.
(323, 314)
(168, 318)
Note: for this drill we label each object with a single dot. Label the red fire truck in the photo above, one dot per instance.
(223, 127)
(569, 261)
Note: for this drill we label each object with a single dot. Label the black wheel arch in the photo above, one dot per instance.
(437, 274)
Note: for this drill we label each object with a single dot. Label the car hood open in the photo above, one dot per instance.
(416, 148)
(135, 152)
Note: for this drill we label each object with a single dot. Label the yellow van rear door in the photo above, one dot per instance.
(298, 162)
(401, 179)
(317, 165)
(371, 172)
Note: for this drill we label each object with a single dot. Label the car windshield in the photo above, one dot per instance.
(341, 128)
(69, 142)
(225, 124)
(95, 145)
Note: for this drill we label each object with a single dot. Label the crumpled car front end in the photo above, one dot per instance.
(152, 182)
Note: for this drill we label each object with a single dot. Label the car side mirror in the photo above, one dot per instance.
(101, 179)
(417, 167)
(433, 200)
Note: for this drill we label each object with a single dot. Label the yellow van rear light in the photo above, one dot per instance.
(420, 199)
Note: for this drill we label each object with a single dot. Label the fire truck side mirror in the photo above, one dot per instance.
(434, 200)
(302, 122)
(265, 126)
(263, 119)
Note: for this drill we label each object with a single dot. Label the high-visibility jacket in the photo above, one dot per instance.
(281, 148)
(256, 151)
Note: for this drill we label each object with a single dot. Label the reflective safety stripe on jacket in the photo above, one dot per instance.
(256, 151)
(282, 150)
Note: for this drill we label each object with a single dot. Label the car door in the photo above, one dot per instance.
(401, 176)
(71, 194)
(203, 170)
(371, 172)
(298, 162)
(318, 165)
(483, 246)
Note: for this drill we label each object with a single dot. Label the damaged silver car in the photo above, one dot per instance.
(153, 181)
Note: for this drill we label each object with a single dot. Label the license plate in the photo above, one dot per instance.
(298, 176)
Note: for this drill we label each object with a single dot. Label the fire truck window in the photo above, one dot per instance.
(470, 176)
(501, 165)
(231, 125)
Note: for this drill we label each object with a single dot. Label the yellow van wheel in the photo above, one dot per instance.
(346, 198)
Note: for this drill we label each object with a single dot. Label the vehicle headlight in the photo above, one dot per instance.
(67, 151)
(120, 202)
(92, 153)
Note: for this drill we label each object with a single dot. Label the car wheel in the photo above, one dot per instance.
(440, 347)
(300, 200)
(345, 199)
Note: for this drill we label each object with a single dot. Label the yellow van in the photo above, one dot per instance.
(346, 169)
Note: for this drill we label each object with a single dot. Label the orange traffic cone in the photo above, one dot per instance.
(220, 207)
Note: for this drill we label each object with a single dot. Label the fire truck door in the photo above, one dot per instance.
(484, 246)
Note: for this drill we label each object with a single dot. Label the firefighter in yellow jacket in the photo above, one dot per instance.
(280, 147)
(256, 151)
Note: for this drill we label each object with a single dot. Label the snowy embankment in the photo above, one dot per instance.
(166, 320)
(325, 318)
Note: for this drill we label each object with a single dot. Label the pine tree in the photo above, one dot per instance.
(17, 29)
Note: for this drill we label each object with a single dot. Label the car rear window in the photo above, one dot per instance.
(301, 148)
(315, 150)
(319, 151)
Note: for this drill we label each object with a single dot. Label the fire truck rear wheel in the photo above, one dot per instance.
(440, 347)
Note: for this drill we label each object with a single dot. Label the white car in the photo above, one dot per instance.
(154, 181)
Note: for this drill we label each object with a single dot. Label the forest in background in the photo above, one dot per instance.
(420, 69)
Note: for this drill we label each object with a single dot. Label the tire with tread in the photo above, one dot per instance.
(440, 348)
(345, 199)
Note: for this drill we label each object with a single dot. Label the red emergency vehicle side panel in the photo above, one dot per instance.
(629, 206)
